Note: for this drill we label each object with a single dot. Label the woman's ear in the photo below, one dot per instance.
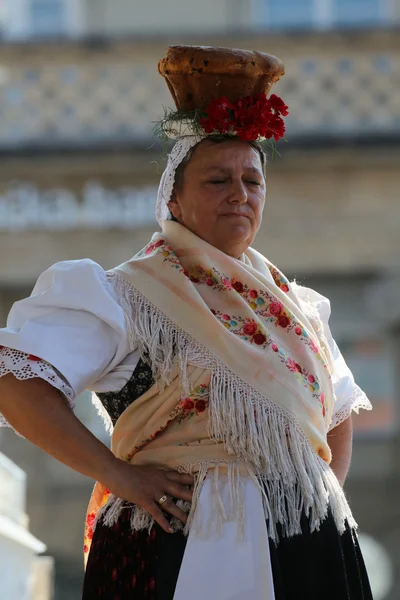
(174, 206)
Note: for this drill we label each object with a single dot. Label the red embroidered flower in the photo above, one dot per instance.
(284, 288)
(276, 308)
(201, 405)
(298, 367)
(291, 365)
(159, 243)
(85, 549)
(227, 284)
(209, 281)
(149, 249)
(259, 339)
(297, 330)
(90, 519)
(275, 348)
(226, 317)
(34, 358)
(188, 404)
(283, 321)
(311, 379)
(253, 294)
(314, 346)
(250, 328)
(90, 534)
(238, 286)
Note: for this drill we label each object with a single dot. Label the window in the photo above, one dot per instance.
(279, 14)
(357, 12)
(47, 17)
(300, 14)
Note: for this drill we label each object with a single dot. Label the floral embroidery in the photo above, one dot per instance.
(266, 307)
(280, 280)
(193, 405)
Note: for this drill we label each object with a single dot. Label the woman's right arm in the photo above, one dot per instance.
(39, 412)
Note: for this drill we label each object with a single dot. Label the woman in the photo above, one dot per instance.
(230, 400)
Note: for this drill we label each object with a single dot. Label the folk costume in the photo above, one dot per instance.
(210, 365)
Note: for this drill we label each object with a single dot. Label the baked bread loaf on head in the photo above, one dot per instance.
(195, 75)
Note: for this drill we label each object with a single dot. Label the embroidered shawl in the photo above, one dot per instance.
(243, 382)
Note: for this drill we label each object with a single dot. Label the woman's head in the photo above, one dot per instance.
(219, 192)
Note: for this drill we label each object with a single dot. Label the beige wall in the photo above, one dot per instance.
(153, 16)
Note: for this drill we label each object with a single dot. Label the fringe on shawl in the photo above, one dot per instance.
(292, 478)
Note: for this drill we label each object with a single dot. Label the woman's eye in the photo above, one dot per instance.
(218, 181)
(253, 182)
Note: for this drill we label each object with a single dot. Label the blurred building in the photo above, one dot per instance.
(79, 91)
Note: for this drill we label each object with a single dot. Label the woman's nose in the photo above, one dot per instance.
(238, 193)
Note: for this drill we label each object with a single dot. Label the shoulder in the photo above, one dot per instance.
(316, 301)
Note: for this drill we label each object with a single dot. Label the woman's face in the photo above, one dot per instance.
(222, 195)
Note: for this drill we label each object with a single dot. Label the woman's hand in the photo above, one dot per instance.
(144, 486)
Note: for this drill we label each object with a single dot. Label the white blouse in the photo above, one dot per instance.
(71, 332)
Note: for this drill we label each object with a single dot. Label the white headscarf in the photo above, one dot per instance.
(178, 154)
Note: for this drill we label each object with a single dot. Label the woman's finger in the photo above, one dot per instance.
(170, 507)
(182, 478)
(159, 517)
(178, 491)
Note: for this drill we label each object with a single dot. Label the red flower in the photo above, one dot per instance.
(34, 358)
(253, 294)
(297, 330)
(159, 243)
(291, 365)
(213, 311)
(298, 367)
(283, 321)
(250, 328)
(90, 534)
(276, 308)
(194, 279)
(188, 404)
(284, 288)
(226, 317)
(314, 347)
(209, 281)
(259, 339)
(278, 105)
(275, 348)
(90, 519)
(150, 249)
(85, 548)
(201, 405)
(238, 286)
(311, 378)
(219, 116)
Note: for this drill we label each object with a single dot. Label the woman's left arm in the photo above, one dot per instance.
(340, 440)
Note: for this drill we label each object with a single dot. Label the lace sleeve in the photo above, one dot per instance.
(357, 400)
(26, 366)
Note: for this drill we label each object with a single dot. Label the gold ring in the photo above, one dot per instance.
(162, 500)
